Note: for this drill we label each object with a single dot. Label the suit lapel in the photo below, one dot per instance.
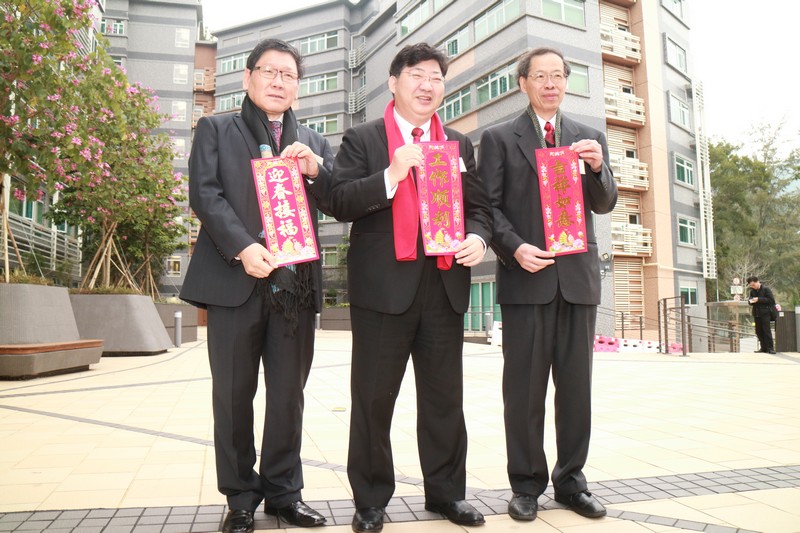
(527, 140)
(250, 141)
(569, 131)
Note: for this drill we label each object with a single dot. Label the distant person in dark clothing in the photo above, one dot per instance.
(762, 301)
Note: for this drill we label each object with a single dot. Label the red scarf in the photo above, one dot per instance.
(405, 206)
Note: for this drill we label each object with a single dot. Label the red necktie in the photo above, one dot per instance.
(549, 135)
(416, 133)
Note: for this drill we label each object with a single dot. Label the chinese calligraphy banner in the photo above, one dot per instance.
(288, 230)
(561, 190)
(441, 208)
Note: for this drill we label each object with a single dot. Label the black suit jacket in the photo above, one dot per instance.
(223, 196)
(508, 166)
(376, 280)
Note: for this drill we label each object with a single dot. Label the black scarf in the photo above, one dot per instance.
(285, 290)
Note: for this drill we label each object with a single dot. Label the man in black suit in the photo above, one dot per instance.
(762, 301)
(403, 302)
(256, 312)
(549, 304)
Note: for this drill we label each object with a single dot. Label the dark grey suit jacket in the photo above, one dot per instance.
(508, 166)
(223, 196)
(376, 280)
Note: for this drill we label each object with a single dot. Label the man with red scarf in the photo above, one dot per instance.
(402, 302)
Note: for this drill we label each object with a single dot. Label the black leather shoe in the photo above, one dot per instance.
(582, 503)
(771, 352)
(298, 514)
(368, 519)
(459, 512)
(522, 507)
(238, 521)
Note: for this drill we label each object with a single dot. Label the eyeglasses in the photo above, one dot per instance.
(270, 73)
(540, 78)
(419, 75)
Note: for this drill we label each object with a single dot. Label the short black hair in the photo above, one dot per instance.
(751, 279)
(278, 45)
(413, 54)
(524, 63)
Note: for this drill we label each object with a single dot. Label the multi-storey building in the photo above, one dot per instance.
(154, 40)
(630, 77)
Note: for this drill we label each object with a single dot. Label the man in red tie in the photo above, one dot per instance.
(549, 304)
(402, 302)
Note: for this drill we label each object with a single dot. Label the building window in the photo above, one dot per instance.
(182, 37)
(674, 6)
(689, 295)
(174, 266)
(456, 43)
(180, 74)
(495, 18)
(569, 11)
(112, 27)
(578, 81)
(684, 170)
(676, 56)
(455, 105)
(687, 231)
(233, 63)
(329, 256)
(322, 217)
(319, 43)
(496, 84)
(178, 110)
(323, 125)
(414, 18)
(679, 112)
(319, 84)
(231, 101)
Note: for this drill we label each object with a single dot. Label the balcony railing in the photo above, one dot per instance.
(631, 239)
(620, 44)
(624, 108)
(630, 173)
(357, 100)
(52, 248)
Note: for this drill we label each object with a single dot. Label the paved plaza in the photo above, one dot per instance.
(708, 442)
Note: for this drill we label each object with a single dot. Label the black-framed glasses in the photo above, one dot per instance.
(268, 72)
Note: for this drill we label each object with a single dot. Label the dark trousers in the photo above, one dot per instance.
(764, 332)
(557, 336)
(433, 334)
(239, 339)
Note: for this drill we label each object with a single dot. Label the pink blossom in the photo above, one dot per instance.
(54, 97)
(86, 153)
(44, 26)
(77, 140)
(36, 59)
(59, 186)
(19, 194)
(44, 45)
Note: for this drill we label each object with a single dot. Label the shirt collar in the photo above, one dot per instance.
(406, 127)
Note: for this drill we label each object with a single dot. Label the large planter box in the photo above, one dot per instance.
(129, 324)
(188, 320)
(335, 318)
(39, 335)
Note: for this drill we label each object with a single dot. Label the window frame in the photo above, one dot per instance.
(677, 57)
(508, 71)
(229, 102)
(678, 109)
(319, 41)
(563, 5)
(322, 81)
(183, 38)
(689, 296)
(233, 63)
(325, 121)
(459, 98)
(576, 67)
(685, 166)
(507, 10)
(689, 225)
(170, 271)
(180, 73)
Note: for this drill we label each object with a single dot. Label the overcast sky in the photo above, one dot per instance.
(742, 51)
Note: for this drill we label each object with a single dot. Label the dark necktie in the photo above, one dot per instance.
(416, 133)
(549, 135)
(276, 127)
